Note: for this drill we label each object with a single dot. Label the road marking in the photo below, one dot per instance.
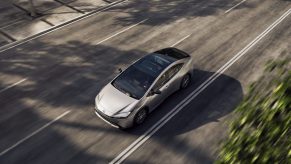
(122, 31)
(65, 24)
(12, 23)
(227, 11)
(34, 133)
(12, 85)
(138, 142)
(181, 40)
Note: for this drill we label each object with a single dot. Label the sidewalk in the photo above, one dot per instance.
(16, 24)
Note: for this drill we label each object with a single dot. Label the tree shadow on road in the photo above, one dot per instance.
(164, 12)
(68, 76)
(60, 77)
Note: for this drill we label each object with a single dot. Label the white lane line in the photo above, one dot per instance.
(52, 29)
(12, 85)
(181, 40)
(122, 31)
(138, 142)
(227, 11)
(34, 133)
(12, 23)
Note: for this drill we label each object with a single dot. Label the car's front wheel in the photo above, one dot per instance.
(140, 116)
(185, 82)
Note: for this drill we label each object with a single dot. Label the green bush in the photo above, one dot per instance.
(260, 131)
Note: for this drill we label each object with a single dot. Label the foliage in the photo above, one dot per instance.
(261, 131)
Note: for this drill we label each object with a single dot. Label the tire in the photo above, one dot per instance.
(185, 82)
(140, 116)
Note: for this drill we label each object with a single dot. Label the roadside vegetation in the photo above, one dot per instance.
(260, 131)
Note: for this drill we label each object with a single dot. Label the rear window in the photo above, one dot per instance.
(173, 52)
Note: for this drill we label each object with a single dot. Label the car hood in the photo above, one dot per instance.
(110, 101)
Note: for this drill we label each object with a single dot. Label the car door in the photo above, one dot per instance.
(167, 84)
(174, 81)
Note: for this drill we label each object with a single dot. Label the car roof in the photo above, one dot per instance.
(153, 64)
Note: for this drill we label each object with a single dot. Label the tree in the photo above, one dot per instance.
(32, 9)
(260, 132)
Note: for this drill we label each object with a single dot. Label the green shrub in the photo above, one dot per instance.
(260, 132)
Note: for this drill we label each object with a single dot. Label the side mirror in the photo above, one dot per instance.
(119, 70)
(157, 91)
(154, 91)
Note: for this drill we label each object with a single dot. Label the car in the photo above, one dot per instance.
(129, 98)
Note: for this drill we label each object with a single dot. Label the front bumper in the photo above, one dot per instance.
(115, 122)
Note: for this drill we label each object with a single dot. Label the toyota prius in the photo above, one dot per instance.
(134, 93)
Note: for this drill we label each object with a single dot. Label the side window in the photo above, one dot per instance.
(161, 81)
(174, 70)
(168, 75)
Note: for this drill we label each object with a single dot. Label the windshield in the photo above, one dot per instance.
(133, 82)
(137, 79)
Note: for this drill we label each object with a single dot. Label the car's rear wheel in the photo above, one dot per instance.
(185, 81)
(140, 116)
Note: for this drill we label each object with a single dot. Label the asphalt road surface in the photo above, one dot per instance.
(48, 85)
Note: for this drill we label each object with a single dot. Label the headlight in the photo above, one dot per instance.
(98, 98)
(122, 114)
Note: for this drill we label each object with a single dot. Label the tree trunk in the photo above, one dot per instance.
(32, 8)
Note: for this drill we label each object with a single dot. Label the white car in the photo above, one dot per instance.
(129, 98)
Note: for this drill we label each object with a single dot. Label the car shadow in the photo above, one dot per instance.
(218, 100)
(197, 130)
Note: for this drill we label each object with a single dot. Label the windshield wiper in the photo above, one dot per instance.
(133, 96)
(119, 88)
(122, 90)
(125, 92)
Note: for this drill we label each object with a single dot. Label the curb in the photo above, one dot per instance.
(47, 31)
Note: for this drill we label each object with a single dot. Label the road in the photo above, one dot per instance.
(48, 85)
